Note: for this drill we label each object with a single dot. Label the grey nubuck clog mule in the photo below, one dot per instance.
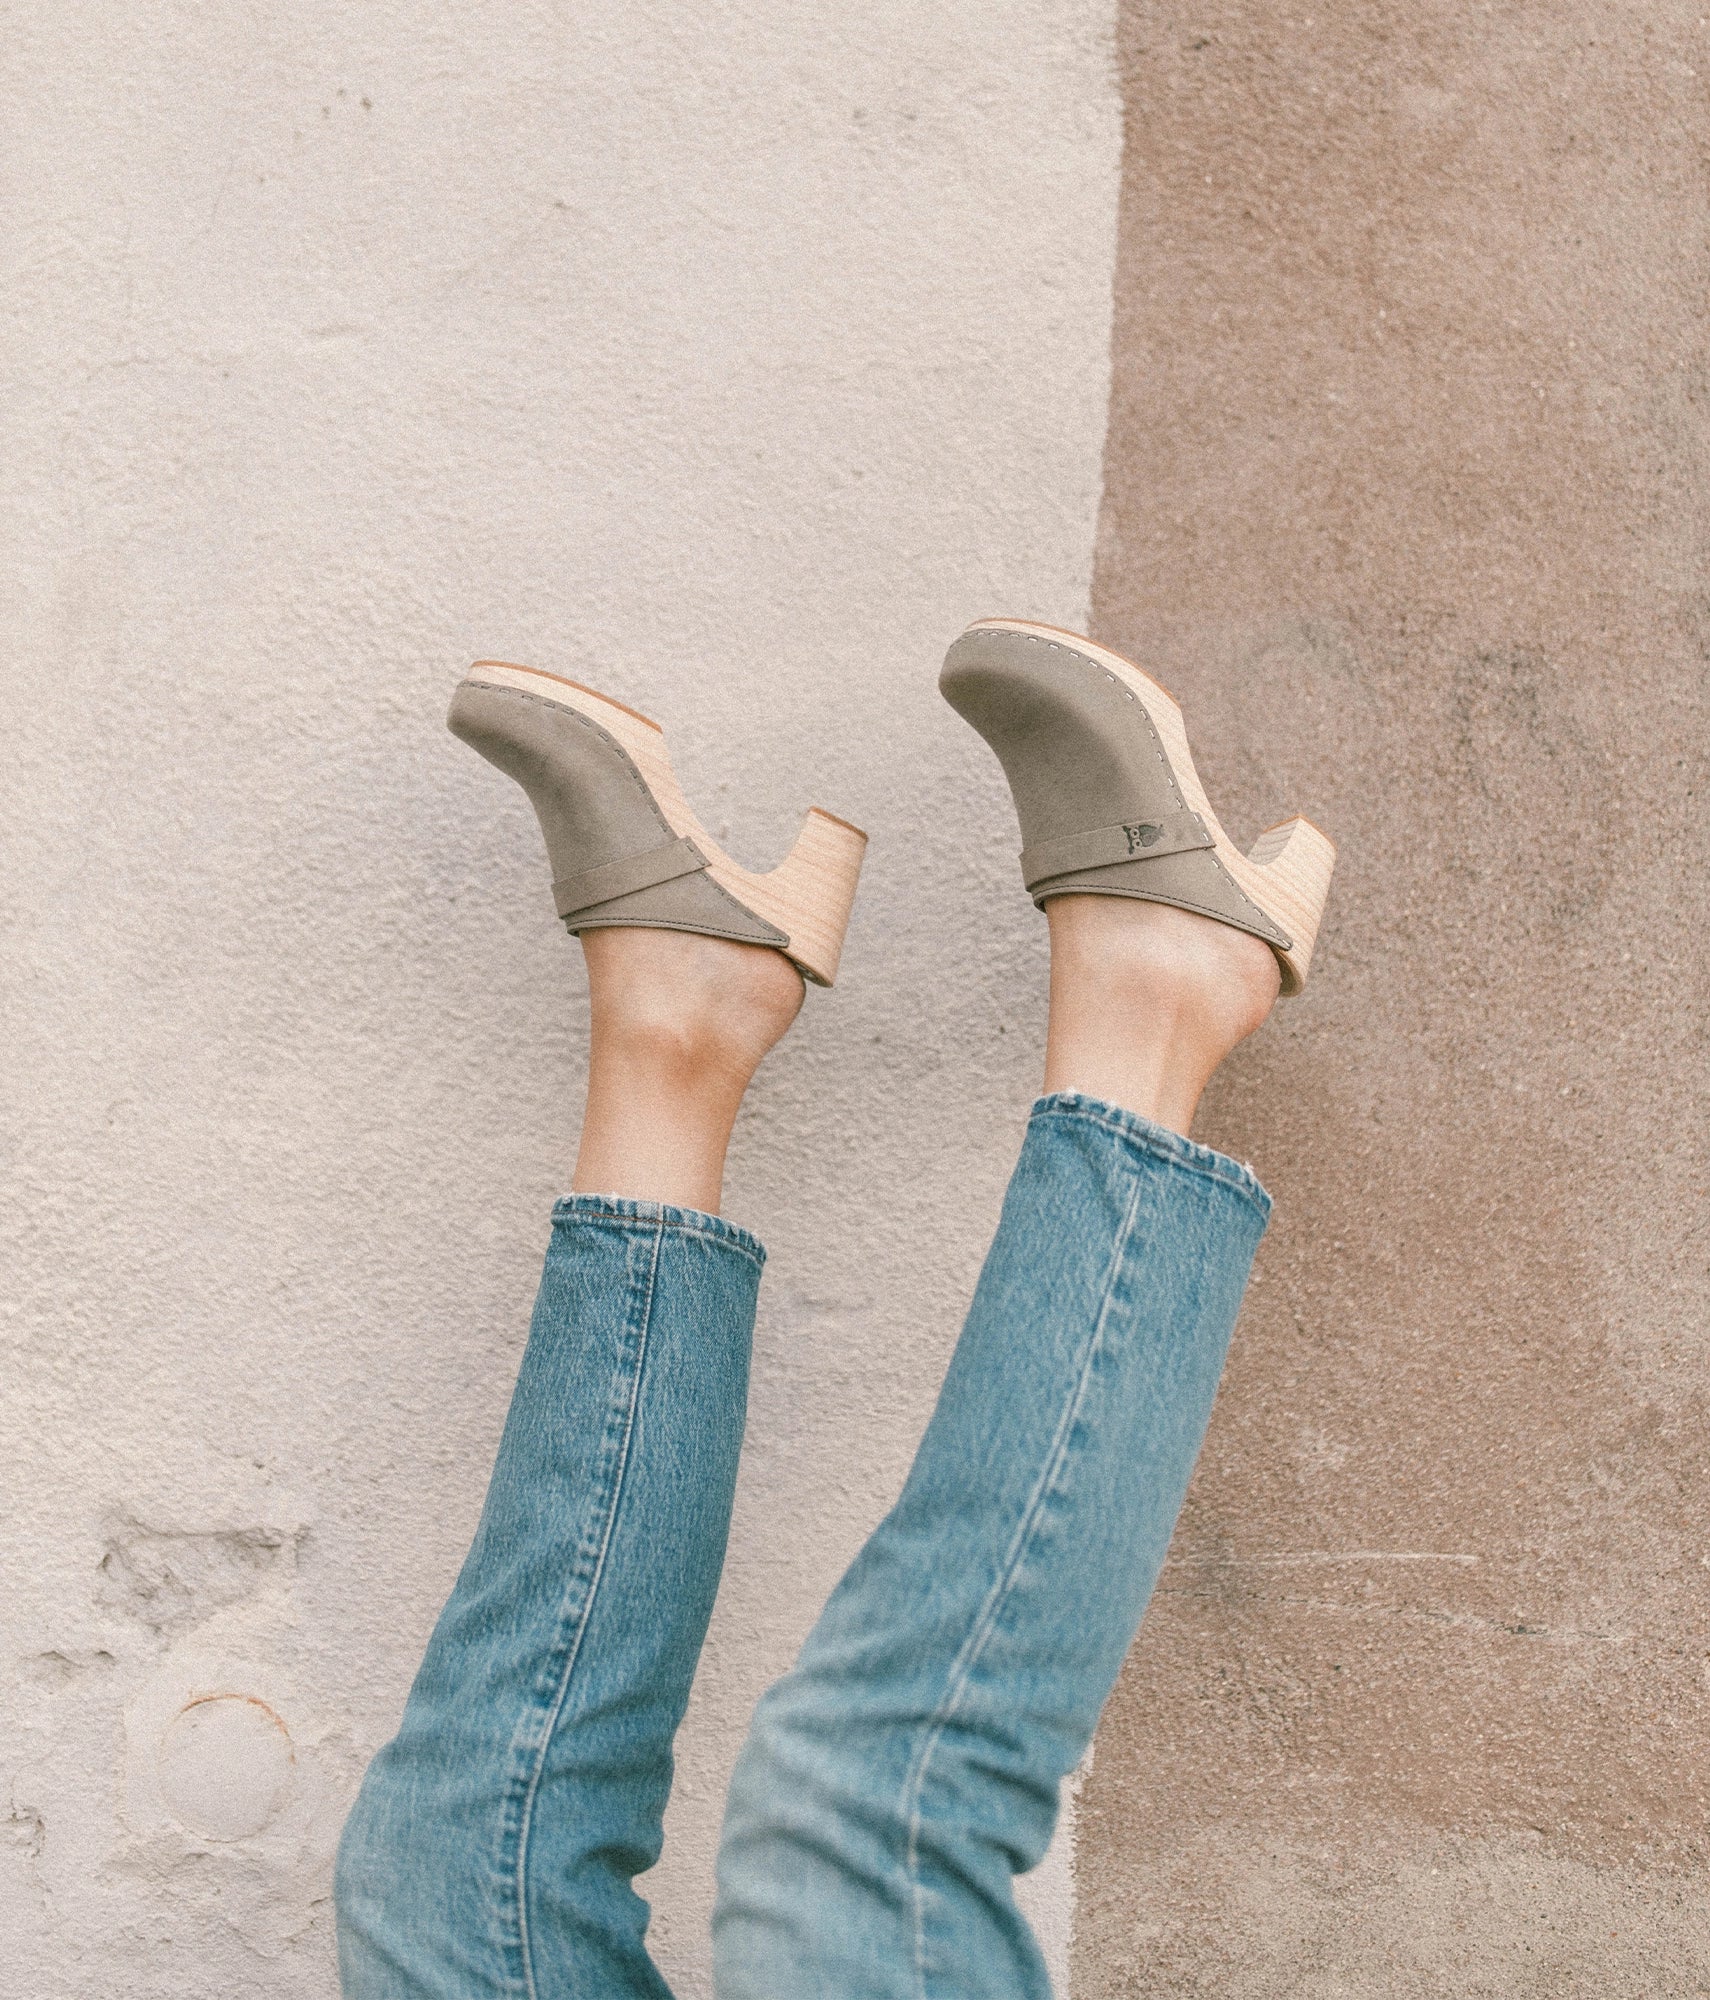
(1109, 802)
(624, 844)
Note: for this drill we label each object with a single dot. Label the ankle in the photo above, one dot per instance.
(679, 1023)
(669, 1052)
(1147, 1000)
(700, 1013)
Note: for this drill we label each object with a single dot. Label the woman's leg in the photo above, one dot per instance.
(907, 1768)
(493, 1844)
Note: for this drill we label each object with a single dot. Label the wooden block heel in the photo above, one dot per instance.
(1291, 866)
(1110, 804)
(811, 891)
(626, 846)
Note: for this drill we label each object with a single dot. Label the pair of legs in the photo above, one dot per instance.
(908, 1766)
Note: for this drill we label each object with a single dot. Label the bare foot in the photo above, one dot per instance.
(678, 1025)
(1147, 1000)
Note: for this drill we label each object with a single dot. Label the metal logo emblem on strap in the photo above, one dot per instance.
(1103, 846)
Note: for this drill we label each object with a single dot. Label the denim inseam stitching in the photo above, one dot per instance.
(962, 1669)
(574, 1648)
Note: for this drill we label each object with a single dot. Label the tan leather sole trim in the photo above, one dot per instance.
(808, 896)
(1287, 874)
(541, 674)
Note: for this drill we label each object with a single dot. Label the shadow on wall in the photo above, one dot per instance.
(1404, 499)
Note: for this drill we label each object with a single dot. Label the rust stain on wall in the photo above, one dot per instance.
(1405, 497)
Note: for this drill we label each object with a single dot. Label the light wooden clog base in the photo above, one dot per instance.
(808, 895)
(1287, 873)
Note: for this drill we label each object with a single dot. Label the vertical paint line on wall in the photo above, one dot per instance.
(1048, 1896)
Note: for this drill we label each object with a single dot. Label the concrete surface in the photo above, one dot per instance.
(1405, 499)
(730, 357)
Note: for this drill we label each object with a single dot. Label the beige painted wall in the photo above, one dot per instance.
(731, 357)
(1406, 500)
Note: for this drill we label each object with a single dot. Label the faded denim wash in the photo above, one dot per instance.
(907, 1768)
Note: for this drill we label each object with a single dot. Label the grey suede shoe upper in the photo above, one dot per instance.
(1100, 806)
(615, 859)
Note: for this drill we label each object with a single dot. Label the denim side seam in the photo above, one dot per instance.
(1158, 1141)
(1015, 1557)
(585, 1577)
(624, 1211)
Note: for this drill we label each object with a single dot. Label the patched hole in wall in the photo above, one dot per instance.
(225, 1766)
(172, 1579)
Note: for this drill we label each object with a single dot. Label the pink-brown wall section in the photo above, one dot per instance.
(1405, 499)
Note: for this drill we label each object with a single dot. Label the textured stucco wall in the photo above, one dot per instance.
(729, 357)
(1406, 499)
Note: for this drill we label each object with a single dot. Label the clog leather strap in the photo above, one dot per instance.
(575, 893)
(1130, 840)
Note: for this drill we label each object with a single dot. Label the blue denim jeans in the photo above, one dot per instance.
(907, 1768)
